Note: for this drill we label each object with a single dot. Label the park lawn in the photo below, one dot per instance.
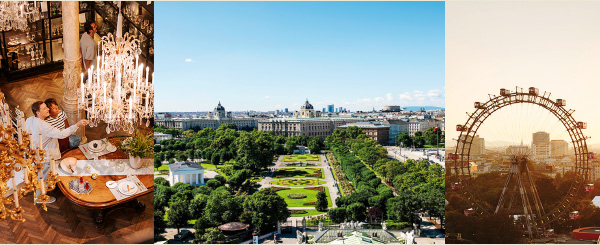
(164, 167)
(311, 196)
(166, 219)
(301, 158)
(208, 166)
(309, 212)
(297, 173)
(294, 183)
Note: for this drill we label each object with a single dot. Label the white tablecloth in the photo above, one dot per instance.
(103, 167)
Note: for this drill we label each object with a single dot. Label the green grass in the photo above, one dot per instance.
(293, 182)
(166, 219)
(303, 158)
(434, 146)
(163, 167)
(297, 173)
(208, 166)
(309, 212)
(311, 196)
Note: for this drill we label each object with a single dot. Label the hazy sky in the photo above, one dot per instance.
(273, 55)
(554, 46)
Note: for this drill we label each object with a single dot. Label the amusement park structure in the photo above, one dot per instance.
(519, 195)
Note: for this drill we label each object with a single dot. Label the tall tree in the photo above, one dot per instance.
(267, 207)
(321, 201)
(178, 214)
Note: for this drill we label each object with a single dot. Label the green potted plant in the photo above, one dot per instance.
(138, 146)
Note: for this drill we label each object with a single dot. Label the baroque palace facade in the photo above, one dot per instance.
(214, 120)
(307, 121)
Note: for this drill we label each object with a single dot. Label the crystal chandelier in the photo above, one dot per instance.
(14, 15)
(17, 153)
(117, 92)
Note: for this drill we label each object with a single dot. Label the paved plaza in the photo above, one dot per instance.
(403, 154)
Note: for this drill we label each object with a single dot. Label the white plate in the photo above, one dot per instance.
(111, 148)
(111, 184)
(123, 188)
(69, 161)
(100, 145)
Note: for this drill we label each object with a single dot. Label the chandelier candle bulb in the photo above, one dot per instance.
(93, 103)
(15, 188)
(43, 186)
(109, 109)
(40, 141)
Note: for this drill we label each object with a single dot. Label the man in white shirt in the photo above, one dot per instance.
(88, 47)
(36, 126)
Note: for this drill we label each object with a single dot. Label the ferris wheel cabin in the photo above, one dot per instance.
(504, 92)
(588, 187)
(452, 156)
(592, 155)
(574, 215)
(581, 125)
(455, 185)
(561, 102)
(534, 91)
(549, 233)
(479, 105)
(461, 128)
(469, 212)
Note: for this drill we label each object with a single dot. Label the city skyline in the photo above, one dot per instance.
(271, 55)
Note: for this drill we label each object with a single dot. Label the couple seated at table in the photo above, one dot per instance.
(58, 119)
(37, 126)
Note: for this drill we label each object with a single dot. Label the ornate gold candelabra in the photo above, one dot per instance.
(17, 152)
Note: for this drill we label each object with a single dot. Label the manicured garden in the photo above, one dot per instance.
(304, 212)
(299, 173)
(290, 195)
(298, 182)
(301, 158)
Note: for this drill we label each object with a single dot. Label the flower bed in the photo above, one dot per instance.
(297, 196)
(310, 203)
(298, 211)
(298, 182)
(280, 188)
(318, 188)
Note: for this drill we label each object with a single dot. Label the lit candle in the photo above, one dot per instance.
(41, 141)
(52, 164)
(135, 89)
(104, 92)
(82, 90)
(25, 170)
(93, 102)
(19, 126)
(147, 74)
(15, 188)
(31, 141)
(43, 186)
(109, 108)
(91, 73)
(130, 108)
(147, 96)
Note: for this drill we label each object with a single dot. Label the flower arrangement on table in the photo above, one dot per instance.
(138, 146)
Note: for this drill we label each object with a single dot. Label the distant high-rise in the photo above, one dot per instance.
(286, 110)
(540, 144)
(324, 110)
(559, 147)
(330, 108)
(478, 146)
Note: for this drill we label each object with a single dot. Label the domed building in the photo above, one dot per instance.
(213, 120)
(307, 111)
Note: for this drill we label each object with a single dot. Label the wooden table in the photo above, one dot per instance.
(101, 199)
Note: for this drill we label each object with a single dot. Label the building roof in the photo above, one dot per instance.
(307, 105)
(596, 201)
(178, 166)
(219, 107)
(365, 125)
(233, 226)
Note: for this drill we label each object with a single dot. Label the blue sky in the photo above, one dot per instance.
(273, 55)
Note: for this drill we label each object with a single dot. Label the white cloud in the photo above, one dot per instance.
(405, 96)
(267, 97)
(364, 100)
(434, 93)
(378, 99)
(389, 97)
(188, 60)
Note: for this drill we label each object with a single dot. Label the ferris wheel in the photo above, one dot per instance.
(519, 179)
